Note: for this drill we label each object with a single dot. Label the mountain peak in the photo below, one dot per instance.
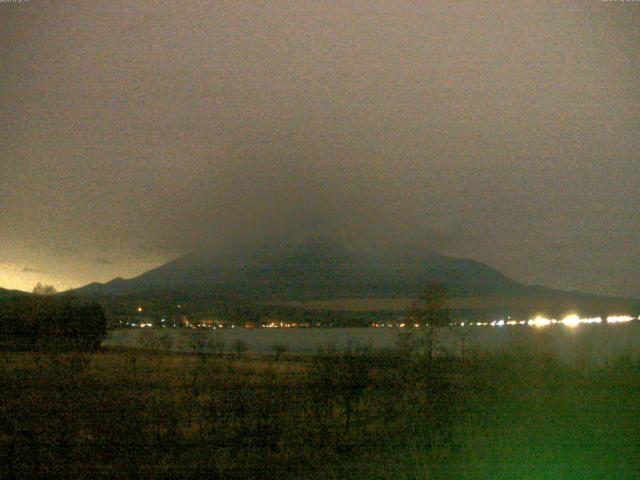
(316, 265)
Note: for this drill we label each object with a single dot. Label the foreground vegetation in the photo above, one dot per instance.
(39, 323)
(349, 414)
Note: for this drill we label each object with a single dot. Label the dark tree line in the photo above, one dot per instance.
(43, 323)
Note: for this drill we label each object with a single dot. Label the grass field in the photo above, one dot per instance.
(350, 414)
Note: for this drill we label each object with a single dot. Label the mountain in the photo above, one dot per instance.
(314, 267)
(4, 293)
(318, 272)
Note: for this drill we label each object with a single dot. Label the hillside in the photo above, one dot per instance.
(4, 293)
(315, 268)
(320, 274)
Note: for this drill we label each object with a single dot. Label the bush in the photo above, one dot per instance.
(343, 376)
(48, 323)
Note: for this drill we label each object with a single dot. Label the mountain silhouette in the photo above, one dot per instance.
(4, 293)
(316, 266)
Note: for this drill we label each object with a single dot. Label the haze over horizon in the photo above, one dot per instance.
(505, 133)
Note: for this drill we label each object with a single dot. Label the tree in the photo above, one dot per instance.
(52, 323)
(342, 375)
(41, 289)
(429, 313)
(78, 325)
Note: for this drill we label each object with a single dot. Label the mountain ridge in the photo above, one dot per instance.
(320, 273)
(316, 267)
(8, 293)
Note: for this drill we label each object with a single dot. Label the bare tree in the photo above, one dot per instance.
(429, 313)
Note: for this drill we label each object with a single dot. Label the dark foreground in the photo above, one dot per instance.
(335, 415)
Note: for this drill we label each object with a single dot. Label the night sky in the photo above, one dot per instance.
(508, 132)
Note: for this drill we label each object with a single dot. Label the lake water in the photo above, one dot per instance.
(591, 344)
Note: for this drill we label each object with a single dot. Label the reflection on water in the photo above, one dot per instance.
(583, 342)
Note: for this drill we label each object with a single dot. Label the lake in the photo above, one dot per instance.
(591, 344)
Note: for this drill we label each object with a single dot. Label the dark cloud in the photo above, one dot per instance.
(504, 132)
(104, 261)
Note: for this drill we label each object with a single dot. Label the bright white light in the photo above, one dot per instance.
(619, 319)
(571, 321)
(591, 320)
(500, 323)
(540, 322)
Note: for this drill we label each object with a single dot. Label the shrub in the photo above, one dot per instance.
(49, 323)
